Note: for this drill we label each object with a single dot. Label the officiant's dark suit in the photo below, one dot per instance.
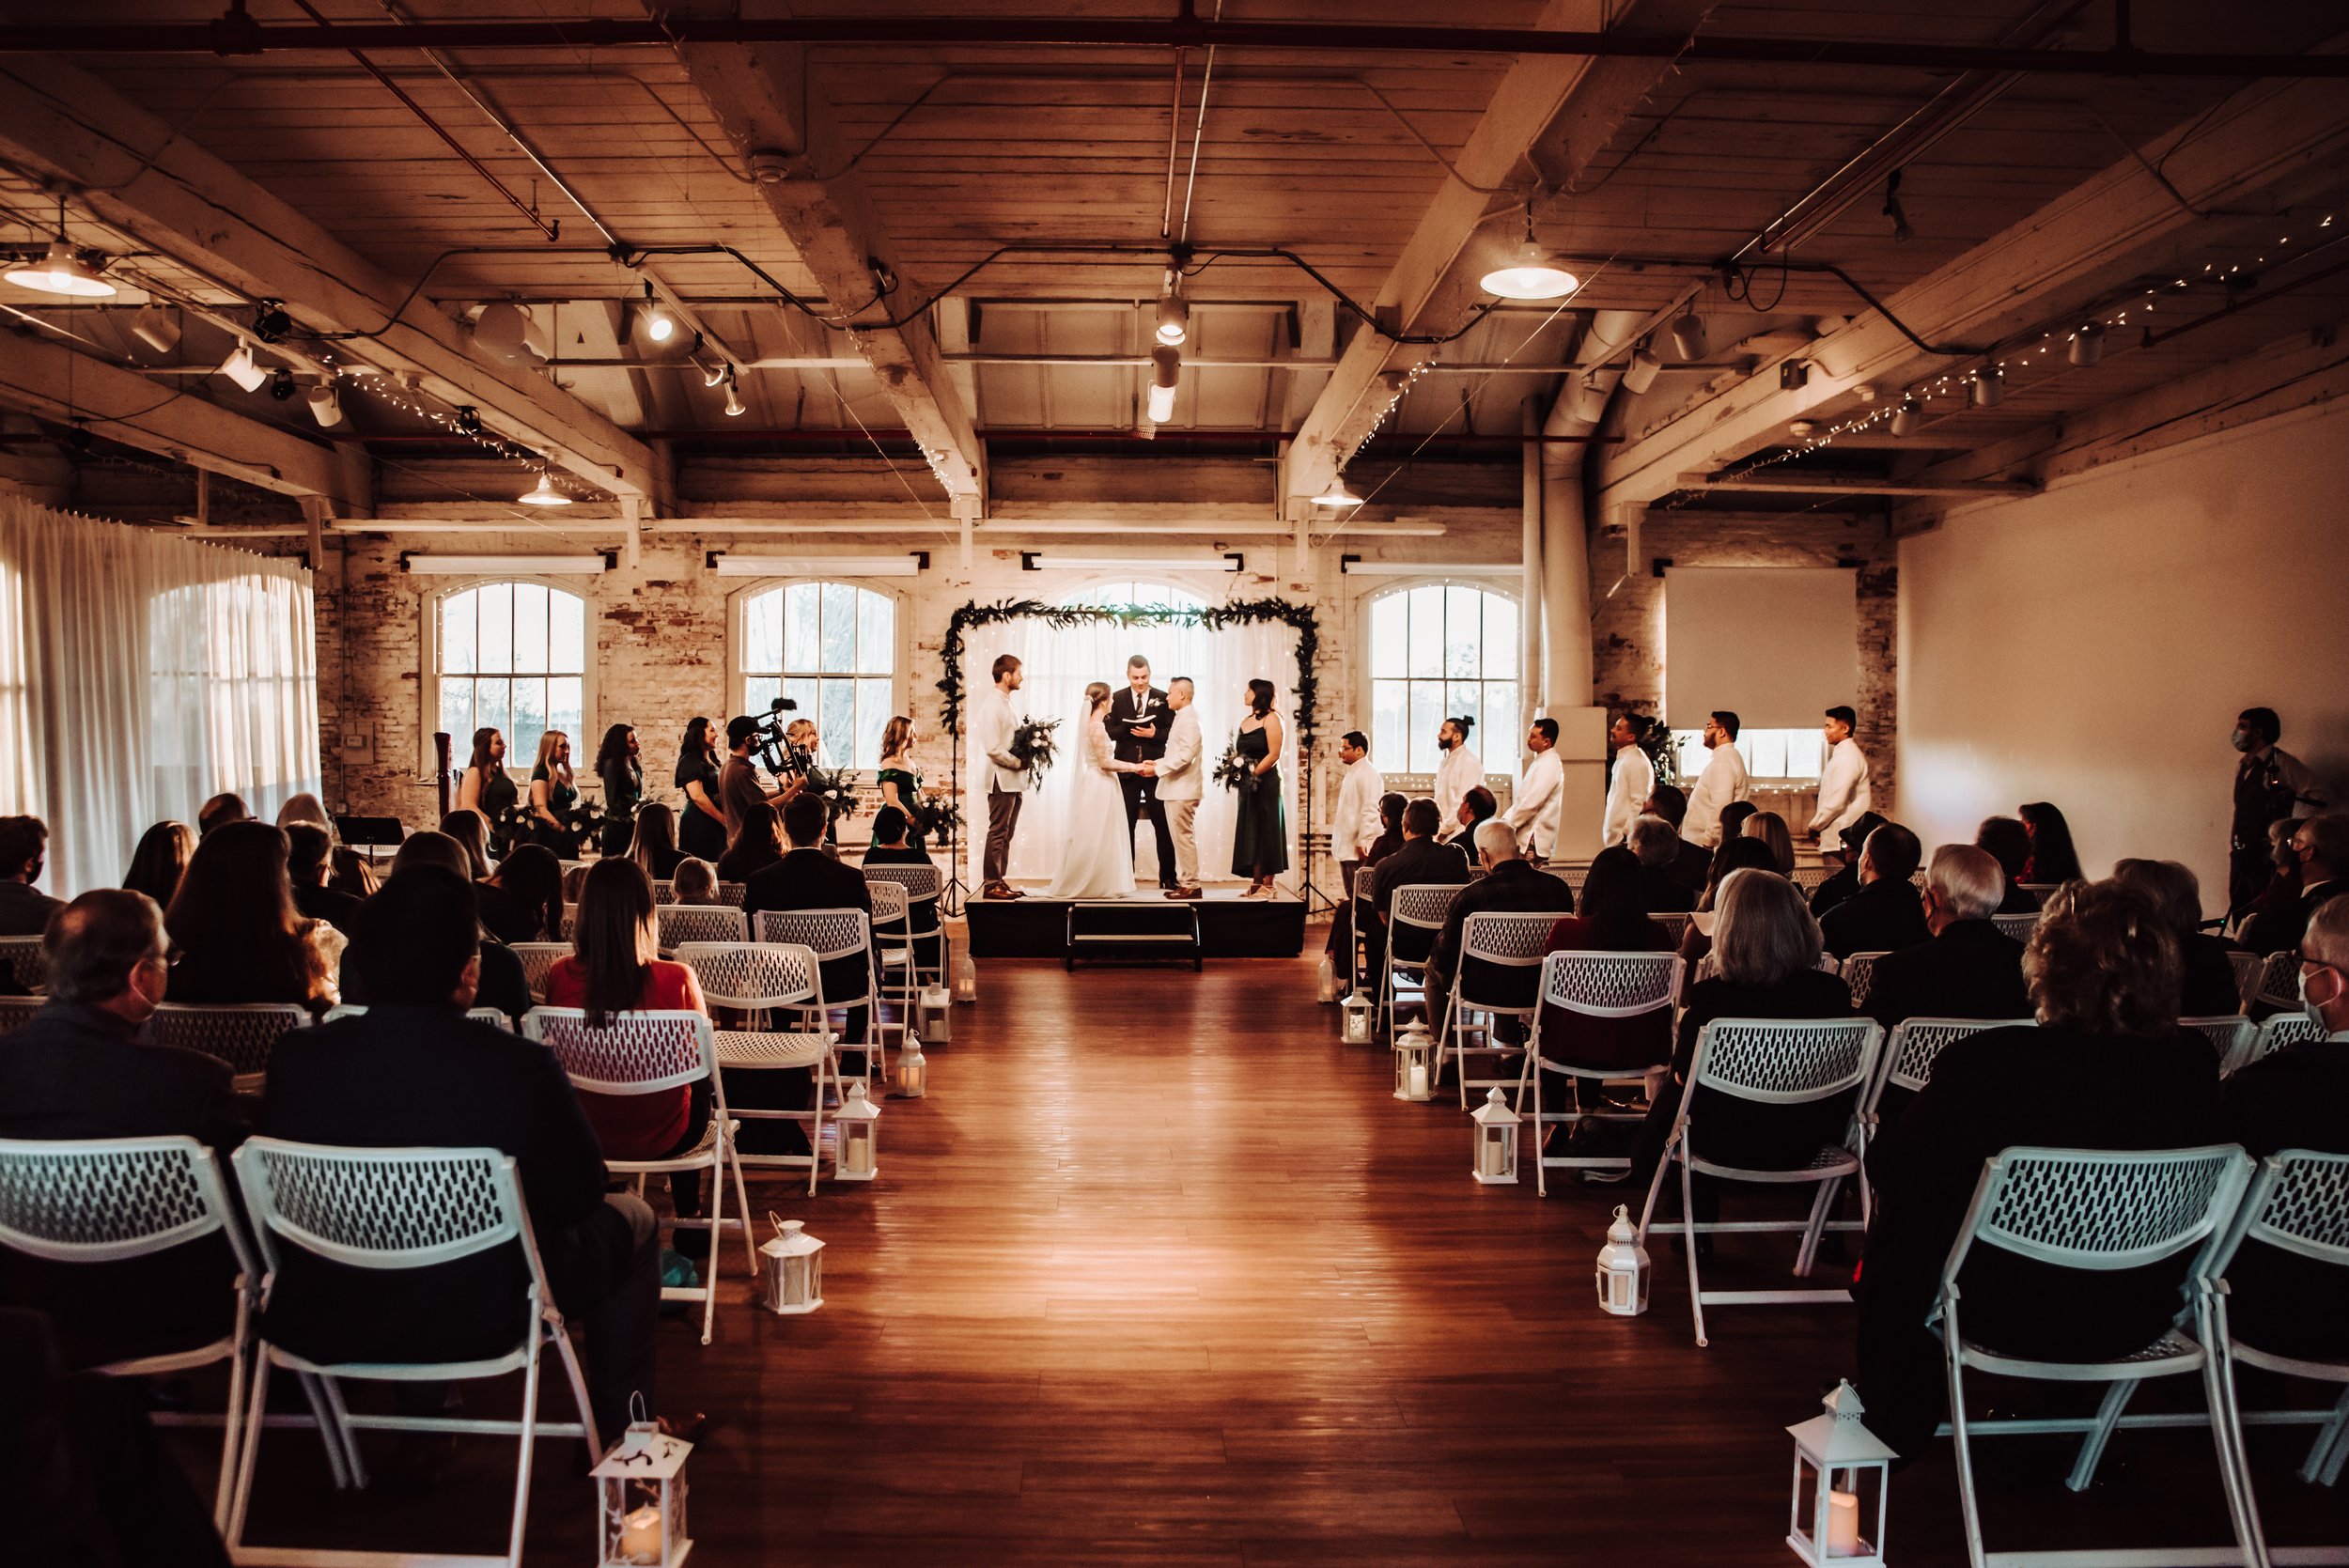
(1126, 714)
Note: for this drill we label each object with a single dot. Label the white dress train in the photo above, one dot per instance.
(1097, 857)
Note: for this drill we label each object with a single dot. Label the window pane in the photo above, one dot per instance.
(838, 648)
(1806, 754)
(798, 627)
(801, 690)
(1389, 635)
(530, 715)
(759, 690)
(1690, 745)
(530, 629)
(1466, 699)
(1463, 631)
(1503, 728)
(872, 713)
(456, 715)
(1427, 716)
(1501, 638)
(875, 634)
(493, 708)
(762, 633)
(1427, 631)
(566, 633)
(1765, 753)
(565, 704)
(496, 624)
(456, 632)
(837, 721)
(1390, 715)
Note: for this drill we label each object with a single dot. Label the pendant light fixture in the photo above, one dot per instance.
(1337, 498)
(60, 272)
(1529, 275)
(1174, 311)
(546, 494)
(1166, 373)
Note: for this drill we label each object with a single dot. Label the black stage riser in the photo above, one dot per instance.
(1228, 928)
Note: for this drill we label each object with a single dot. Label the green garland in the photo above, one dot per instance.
(1062, 617)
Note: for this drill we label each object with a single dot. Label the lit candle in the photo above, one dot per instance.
(1418, 1080)
(1491, 1149)
(640, 1536)
(1842, 1523)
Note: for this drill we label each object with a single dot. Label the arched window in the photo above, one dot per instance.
(1436, 650)
(1136, 596)
(513, 657)
(830, 647)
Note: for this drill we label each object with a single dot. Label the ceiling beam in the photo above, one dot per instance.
(1562, 111)
(767, 100)
(137, 175)
(1846, 484)
(2074, 249)
(58, 385)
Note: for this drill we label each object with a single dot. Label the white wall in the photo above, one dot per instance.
(2092, 646)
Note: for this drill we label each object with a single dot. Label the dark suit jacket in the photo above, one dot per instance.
(1513, 887)
(504, 985)
(1692, 865)
(1884, 916)
(1126, 713)
(398, 1076)
(1837, 888)
(1970, 970)
(75, 1072)
(2020, 900)
(2273, 930)
(1661, 893)
(25, 909)
(2209, 988)
(811, 879)
(2298, 1098)
(1420, 859)
(338, 909)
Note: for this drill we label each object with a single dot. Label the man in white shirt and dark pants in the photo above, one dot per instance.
(1537, 804)
(992, 724)
(1724, 780)
(1843, 783)
(1355, 822)
(1633, 776)
(1176, 784)
(1460, 770)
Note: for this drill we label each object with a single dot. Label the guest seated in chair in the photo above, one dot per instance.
(1884, 916)
(1341, 944)
(1692, 863)
(2106, 1068)
(2208, 990)
(1421, 859)
(806, 878)
(695, 881)
(237, 933)
(1844, 880)
(893, 845)
(1657, 850)
(2009, 842)
(415, 1070)
(25, 909)
(1970, 968)
(1612, 919)
(503, 986)
(522, 902)
(79, 1069)
(309, 863)
(1510, 885)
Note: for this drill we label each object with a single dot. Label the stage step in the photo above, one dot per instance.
(1122, 928)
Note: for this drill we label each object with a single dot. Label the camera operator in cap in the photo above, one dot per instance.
(738, 781)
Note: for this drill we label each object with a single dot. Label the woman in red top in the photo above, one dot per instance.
(1613, 919)
(614, 967)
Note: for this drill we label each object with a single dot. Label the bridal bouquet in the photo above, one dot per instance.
(834, 787)
(585, 819)
(1033, 743)
(935, 817)
(1234, 771)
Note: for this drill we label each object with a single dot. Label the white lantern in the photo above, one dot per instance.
(1415, 1063)
(1326, 979)
(966, 978)
(1355, 1014)
(1496, 1141)
(937, 1006)
(640, 1495)
(910, 1079)
(792, 1266)
(1623, 1268)
(1840, 1469)
(858, 1124)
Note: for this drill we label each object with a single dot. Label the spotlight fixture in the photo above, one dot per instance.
(326, 405)
(735, 406)
(659, 324)
(1590, 398)
(60, 272)
(713, 375)
(1689, 337)
(281, 384)
(546, 494)
(468, 420)
(1905, 416)
(239, 368)
(1893, 208)
(1800, 429)
(1166, 373)
(1641, 373)
(1173, 316)
(1337, 498)
(271, 324)
(155, 327)
(1529, 275)
(2088, 345)
(1989, 388)
(77, 435)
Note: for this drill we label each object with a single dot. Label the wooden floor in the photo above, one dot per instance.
(1160, 1273)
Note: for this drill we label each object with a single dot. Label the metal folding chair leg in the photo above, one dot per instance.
(2092, 1453)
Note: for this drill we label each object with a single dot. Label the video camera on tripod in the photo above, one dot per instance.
(772, 743)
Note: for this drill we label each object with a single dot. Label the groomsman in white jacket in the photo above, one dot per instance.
(1724, 780)
(1355, 822)
(1178, 776)
(1633, 776)
(1460, 771)
(1537, 805)
(1843, 797)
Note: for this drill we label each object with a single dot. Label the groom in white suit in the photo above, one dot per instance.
(1178, 774)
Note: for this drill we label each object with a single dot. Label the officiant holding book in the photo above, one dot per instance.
(1138, 722)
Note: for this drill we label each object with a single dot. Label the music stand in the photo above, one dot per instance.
(369, 832)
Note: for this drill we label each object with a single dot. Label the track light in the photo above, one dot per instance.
(1166, 373)
(326, 405)
(156, 328)
(1173, 318)
(659, 324)
(468, 420)
(1590, 398)
(1640, 374)
(2088, 345)
(1905, 416)
(735, 407)
(1989, 388)
(271, 324)
(713, 375)
(1689, 337)
(281, 384)
(1337, 498)
(546, 494)
(1529, 275)
(239, 368)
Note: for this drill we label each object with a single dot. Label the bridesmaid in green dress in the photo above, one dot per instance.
(552, 795)
(623, 774)
(900, 785)
(1260, 840)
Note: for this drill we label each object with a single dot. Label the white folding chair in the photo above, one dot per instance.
(241, 1034)
(108, 1200)
(2279, 980)
(24, 961)
(1415, 917)
(16, 1012)
(758, 978)
(832, 935)
(2094, 1211)
(893, 948)
(664, 891)
(538, 958)
(674, 925)
(2248, 967)
(2019, 926)
(395, 1209)
(647, 1053)
(1808, 877)
(570, 921)
(731, 893)
(2229, 1034)
(2266, 1039)
(1770, 1061)
(1859, 970)
(924, 884)
(1906, 1060)
(1594, 985)
(1507, 949)
(479, 1015)
(1675, 927)
(2298, 1203)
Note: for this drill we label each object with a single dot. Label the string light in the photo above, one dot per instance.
(387, 391)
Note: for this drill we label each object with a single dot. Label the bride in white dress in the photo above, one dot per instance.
(1097, 857)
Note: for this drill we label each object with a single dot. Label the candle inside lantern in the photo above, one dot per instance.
(1418, 1080)
(640, 1536)
(1489, 1149)
(1842, 1523)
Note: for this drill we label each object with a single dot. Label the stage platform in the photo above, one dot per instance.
(1229, 926)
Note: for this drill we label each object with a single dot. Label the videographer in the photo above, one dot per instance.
(738, 782)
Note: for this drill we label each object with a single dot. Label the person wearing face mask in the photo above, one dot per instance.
(2322, 845)
(2269, 783)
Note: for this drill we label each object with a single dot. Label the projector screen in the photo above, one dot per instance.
(1776, 645)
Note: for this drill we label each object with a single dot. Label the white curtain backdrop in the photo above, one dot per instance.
(1058, 664)
(141, 674)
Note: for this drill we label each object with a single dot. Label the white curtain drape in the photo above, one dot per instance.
(141, 674)
(1058, 664)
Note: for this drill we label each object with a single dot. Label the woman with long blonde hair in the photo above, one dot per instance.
(552, 795)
